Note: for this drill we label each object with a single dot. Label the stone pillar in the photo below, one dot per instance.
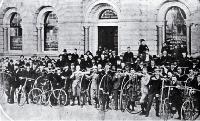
(188, 39)
(5, 39)
(160, 35)
(39, 39)
(86, 38)
(164, 30)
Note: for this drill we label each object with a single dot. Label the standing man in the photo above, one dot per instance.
(94, 77)
(155, 84)
(75, 55)
(113, 59)
(65, 55)
(144, 89)
(60, 62)
(117, 80)
(67, 82)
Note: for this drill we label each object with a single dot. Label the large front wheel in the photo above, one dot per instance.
(130, 99)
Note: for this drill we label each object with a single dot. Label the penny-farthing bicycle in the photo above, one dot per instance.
(130, 94)
(44, 94)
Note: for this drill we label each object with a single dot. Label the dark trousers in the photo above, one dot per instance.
(177, 102)
(11, 94)
(150, 101)
(115, 97)
(104, 99)
(144, 105)
(28, 87)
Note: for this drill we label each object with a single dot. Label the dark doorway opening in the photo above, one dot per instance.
(108, 37)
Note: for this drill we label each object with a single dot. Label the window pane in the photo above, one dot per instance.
(108, 14)
(50, 33)
(15, 32)
(176, 35)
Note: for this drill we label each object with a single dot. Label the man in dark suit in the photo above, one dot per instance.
(155, 84)
(128, 57)
(75, 55)
(66, 78)
(143, 47)
(117, 80)
(69, 60)
(27, 73)
(165, 58)
(113, 59)
(60, 62)
(65, 55)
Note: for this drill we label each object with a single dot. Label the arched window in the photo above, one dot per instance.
(176, 30)
(15, 32)
(108, 14)
(51, 32)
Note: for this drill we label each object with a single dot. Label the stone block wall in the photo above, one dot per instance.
(137, 20)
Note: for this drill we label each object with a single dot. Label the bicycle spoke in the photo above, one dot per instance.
(186, 111)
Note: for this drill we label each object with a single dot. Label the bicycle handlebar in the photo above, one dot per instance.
(26, 78)
(171, 86)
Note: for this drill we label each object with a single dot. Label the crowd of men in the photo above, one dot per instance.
(71, 67)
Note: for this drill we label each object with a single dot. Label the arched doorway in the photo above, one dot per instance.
(101, 26)
(108, 35)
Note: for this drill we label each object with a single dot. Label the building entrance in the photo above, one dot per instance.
(108, 37)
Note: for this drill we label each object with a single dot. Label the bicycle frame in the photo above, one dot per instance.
(190, 100)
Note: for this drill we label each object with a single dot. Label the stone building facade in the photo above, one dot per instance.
(46, 27)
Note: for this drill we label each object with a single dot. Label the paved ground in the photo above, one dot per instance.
(37, 112)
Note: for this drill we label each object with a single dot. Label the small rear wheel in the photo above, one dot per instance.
(58, 98)
(186, 110)
(22, 97)
(35, 96)
(166, 110)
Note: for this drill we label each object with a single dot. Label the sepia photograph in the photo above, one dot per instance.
(99, 60)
